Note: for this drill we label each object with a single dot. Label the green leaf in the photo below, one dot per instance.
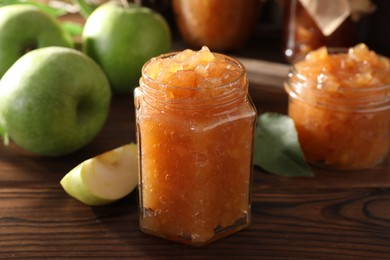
(72, 28)
(56, 12)
(2, 132)
(277, 148)
(85, 8)
(4, 135)
(9, 2)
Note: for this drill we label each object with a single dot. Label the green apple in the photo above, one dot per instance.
(53, 101)
(105, 178)
(24, 28)
(121, 39)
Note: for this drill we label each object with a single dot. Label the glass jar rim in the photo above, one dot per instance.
(343, 89)
(356, 99)
(338, 50)
(215, 96)
(361, 105)
(238, 64)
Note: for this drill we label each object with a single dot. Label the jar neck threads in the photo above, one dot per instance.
(348, 99)
(204, 95)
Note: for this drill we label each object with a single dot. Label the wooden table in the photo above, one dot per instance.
(330, 216)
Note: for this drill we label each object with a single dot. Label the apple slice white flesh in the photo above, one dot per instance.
(105, 178)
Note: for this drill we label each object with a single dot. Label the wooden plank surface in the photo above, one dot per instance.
(330, 216)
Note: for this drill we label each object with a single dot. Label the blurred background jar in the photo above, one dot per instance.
(339, 100)
(310, 24)
(220, 25)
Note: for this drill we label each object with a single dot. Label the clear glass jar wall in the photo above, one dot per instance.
(340, 103)
(196, 146)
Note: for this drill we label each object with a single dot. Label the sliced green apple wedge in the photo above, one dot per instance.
(105, 178)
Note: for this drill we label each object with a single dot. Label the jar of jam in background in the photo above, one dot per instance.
(302, 34)
(340, 103)
(219, 25)
(195, 130)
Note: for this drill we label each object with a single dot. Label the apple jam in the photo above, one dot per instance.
(302, 33)
(340, 102)
(195, 128)
(222, 26)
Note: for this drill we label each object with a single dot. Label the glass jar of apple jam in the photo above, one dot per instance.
(195, 129)
(222, 26)
(340, 102)
(301, 33)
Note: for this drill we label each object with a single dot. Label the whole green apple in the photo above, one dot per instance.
(24, 28)
(53, 101)
(121, 39)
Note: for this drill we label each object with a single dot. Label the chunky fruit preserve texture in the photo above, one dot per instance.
(333, 130)
(196, 139)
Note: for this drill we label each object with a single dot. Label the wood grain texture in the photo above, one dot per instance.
(330, 216)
